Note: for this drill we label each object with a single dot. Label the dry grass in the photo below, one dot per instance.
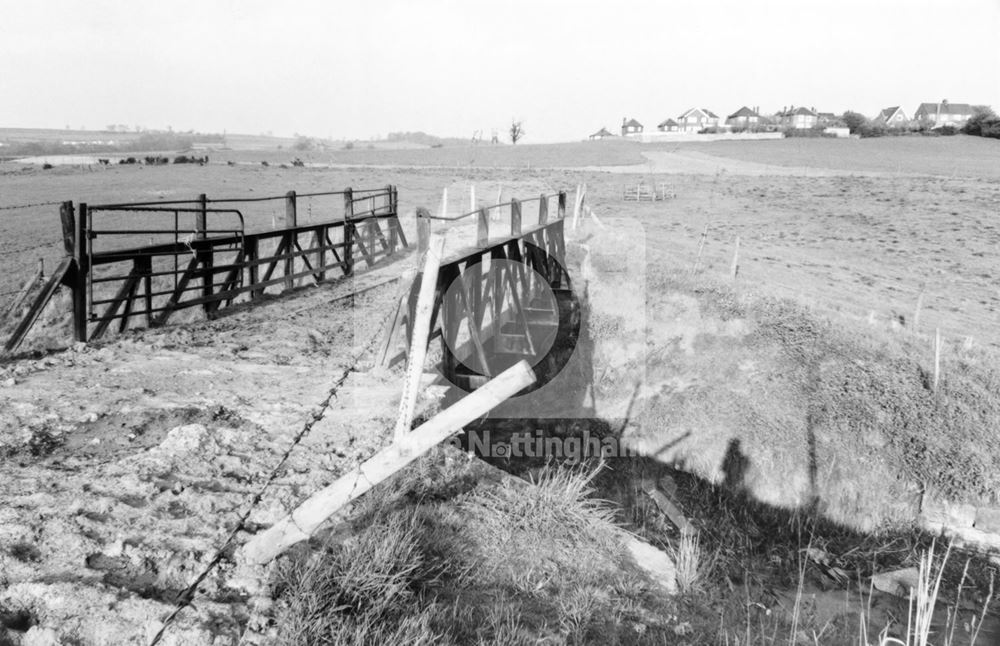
(436, 558)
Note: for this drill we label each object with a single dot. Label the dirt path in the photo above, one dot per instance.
(127, 465)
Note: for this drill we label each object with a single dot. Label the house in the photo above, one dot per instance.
(799, 118)
(936, 115)
(697, 119)
(631, 127)
(668, 126)
(828, 119)
(744, 118)
(893, 117)
(601, 134)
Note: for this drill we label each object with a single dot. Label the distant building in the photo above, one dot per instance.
(828, 119)
(744, 118)
(601, 134)
(697, 119)
(668, 126)
(936, 115)
(893, 117)
(631, 127)
(799, 118)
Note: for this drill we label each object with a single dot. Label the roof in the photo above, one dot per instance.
(800, 111)
(632, 123)
(946, 108)
(603, 132)
(743, 112)
(707, 113)
(887, 113)
(668, 122)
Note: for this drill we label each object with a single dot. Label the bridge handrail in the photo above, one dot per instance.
(487, 207)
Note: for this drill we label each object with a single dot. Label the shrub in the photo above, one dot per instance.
(46, 166)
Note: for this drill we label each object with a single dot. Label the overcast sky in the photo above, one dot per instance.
(362, 69)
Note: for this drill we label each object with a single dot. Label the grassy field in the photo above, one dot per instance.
(958, 156)
(859, 244)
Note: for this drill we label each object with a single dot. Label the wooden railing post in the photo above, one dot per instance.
(561, 209)
(204, 253)
(348, 232)
(515, 217)
(68, 228)
(81, 259)
(483, 228)
(291, 221)
(423, 230)
(543, 209)
(390, 203)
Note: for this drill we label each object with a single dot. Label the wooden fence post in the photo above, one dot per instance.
(735, 269)
(543, 209)
(482, 229)
(423, 229)
(204, 255)
(348, 232)
(390, 200)
(68, 228)
(291, 221)
(81, 259)
(515, 217)
(561, 208)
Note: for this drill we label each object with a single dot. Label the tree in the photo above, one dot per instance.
(855, 121)
(516, 130)
(982, 122)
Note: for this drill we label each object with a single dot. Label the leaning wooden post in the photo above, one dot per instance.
(472, 197)
(204, 253)
(348, 232)
(307, 517)
(515, 217)
(81, 259)
(444, 202)
(561, 205)
(735, 269)
(291, 221)
(482, 229)
(421, 326)
(543, 209)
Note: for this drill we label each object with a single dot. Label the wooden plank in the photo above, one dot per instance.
(314, 511)
(126, 290)
(369, 260)
(61, 275)
(175, 297)
(291, 222)
(22, 295)
(418, 342)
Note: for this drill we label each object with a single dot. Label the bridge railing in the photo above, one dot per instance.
(147, 260)
(489, 231)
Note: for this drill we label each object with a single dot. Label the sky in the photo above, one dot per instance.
(363, 69)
